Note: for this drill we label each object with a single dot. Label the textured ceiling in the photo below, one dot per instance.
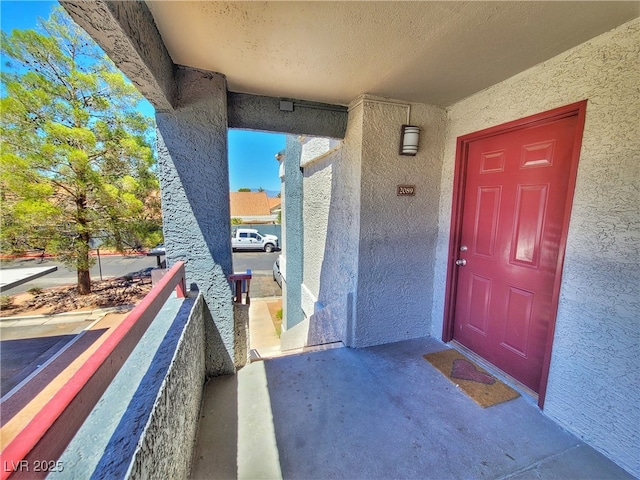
(429, 52)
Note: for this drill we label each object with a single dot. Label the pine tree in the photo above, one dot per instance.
(75, 161)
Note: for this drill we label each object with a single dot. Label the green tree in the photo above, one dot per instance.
(244, 189)
(75, 161)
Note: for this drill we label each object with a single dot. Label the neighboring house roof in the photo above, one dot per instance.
(275, 204)
(249, 204)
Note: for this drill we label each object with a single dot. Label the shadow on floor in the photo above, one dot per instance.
(17, 365)
(216, 444)
(378, 413)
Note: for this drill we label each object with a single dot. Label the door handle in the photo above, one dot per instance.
(461, 262)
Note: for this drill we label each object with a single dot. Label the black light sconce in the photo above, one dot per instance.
(409, 138)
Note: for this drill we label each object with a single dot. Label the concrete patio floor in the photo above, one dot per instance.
(376, 413)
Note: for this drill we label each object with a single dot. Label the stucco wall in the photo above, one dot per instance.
(397, 233)
(165, 447)
(194, 179)
(144, 424)
(331, 187)
(594, 382)
(316, 206)
(368, 253)
(318, 162)
(292, 235)
(256, 112)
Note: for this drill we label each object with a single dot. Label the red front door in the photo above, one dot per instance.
(516, 197)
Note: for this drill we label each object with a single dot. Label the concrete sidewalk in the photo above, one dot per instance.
(263, 340)
(13, 277)
(376, 413)
(58, 318)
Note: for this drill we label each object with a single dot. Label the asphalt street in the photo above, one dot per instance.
(26, 348)
(120, 265)
(110, 266)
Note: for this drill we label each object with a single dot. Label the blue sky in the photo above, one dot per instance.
(252, 161)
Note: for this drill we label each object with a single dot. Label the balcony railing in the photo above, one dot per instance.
(241, 283)
(47, 435)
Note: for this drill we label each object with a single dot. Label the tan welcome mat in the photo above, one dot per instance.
(477, 383)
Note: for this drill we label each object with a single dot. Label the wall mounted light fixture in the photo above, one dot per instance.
(409, 138)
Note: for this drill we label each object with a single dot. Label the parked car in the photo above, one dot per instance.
(157, 250)
(251, 239)
(277, 276)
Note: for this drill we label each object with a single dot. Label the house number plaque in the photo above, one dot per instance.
(406, 190)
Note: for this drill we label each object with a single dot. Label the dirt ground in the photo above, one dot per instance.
(115, 292)
(108, 293)
(274, 308)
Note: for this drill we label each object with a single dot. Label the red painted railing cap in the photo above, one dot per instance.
(240, 276)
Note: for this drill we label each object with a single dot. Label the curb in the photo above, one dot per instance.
(258, 273)
(50, 257)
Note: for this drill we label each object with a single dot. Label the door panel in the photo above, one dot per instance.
(479, 296)
(514, 199)
(486, 221)
(515, 334)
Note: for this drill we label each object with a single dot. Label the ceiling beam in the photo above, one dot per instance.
(285, 115)
(128, 34)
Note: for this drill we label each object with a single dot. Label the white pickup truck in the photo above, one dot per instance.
(251, 239)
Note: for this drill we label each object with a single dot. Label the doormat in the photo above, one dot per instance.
(477, 383)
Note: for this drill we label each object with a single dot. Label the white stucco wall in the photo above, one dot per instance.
(397, 233)
(331, 185)
(368, 253)
(316, 183)
(594, 382)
